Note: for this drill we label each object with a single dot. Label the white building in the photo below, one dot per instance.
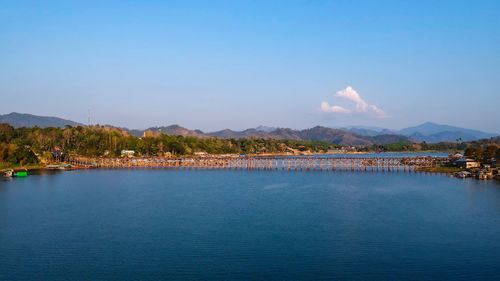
(468, 163)
(127, 153)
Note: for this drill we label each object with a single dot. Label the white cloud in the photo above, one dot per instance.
(325, 107)
(361, 106)
(378, 111)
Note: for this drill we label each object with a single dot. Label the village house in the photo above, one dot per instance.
(456, 156)
(56, 152)
(467, 163)
(127, 153)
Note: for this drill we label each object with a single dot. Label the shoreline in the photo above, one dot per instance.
(40, 166)
(253, 162)
(268, 161)
(440, 169)
(443, 170)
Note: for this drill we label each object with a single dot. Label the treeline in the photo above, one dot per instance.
(26, 145)
(481, 150)
(410, 146)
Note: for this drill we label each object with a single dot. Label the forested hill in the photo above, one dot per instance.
(318, 133)
(22, 146)
(19, 120)
(427, 132)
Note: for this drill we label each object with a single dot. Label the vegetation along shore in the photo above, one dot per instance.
(35, 148)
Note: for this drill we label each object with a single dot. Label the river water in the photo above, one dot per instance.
(154, 224)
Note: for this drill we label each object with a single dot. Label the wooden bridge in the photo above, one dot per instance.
(307, 163)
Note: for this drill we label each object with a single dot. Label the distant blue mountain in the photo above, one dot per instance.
(428, 132)
(432, 132)
(364, 130)
(354, 135)
(371, 128)
(266, 129)
(18, 120)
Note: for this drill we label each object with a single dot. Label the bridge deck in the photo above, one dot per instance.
(267, 163)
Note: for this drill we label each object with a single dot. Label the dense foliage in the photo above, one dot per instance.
(424, 146)
(483, 153)
(22, 145)
(482, 150)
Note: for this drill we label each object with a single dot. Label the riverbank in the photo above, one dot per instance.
(477, 173)
(18, 167)
(36, 168)
(440, 169)
(370, 162)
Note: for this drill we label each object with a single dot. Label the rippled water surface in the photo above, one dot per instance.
(227, 225)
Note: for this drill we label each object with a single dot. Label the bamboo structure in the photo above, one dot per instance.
(308, 163)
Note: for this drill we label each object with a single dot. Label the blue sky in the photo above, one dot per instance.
(238, 64)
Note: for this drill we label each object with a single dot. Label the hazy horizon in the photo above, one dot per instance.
(375, 128)
(216, 65)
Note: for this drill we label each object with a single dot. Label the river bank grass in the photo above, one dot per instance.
(5, 167)
(440, 169)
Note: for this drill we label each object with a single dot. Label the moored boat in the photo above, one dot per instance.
(61, 166)
(8, 173)
(20, 173)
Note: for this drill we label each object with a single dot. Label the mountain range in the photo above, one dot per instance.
(28, 120)
(354, 135)
(337, 136)
(431, 132)
(428, 132)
